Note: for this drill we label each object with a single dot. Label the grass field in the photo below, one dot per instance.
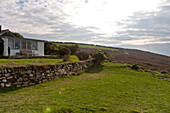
(39, 61)
(102, 89)
(88, 46)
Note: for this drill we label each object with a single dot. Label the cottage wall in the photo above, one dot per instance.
(14, 51)
(5, 46)
(41, 48)
(39, 51)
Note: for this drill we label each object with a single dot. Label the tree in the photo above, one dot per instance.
(99, 58)
(74, 48)
(64, 51)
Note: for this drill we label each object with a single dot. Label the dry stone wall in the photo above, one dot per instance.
(32, 74)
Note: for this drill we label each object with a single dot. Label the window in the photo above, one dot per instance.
(11, 43)
(23, 44)
(34, 45)
(17, 44)
(28, 45)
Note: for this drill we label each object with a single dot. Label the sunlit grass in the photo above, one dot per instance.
(88, 46)
(109, 89)
(38, 61)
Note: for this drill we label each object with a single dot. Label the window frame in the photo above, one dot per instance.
(28, 44)
(12, 41)
(36, 44)
(23, 41)
(19, 47)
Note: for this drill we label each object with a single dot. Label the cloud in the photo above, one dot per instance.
(105, 22)
(44, 20)
(148, 27)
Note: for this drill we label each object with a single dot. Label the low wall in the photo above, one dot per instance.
(32, 74)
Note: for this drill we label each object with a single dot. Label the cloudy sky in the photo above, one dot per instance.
(141, 24)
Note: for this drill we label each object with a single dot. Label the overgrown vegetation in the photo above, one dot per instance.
(74, 48)
(110, 88)
(52, 47)
(82, 55)
(64, 51)
(149, 71)
(92, 46)
(17, 35)
(99, 58)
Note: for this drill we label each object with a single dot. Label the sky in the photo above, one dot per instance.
(136, 24)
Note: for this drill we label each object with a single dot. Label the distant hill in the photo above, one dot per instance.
(145, 59)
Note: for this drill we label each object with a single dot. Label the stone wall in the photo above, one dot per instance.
(32, 74)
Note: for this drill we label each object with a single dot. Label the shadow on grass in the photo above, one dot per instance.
(95, 69)
(6, 90)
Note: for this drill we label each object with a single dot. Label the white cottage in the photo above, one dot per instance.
(15, 46)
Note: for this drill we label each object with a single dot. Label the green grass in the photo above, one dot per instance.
(38, 61)
(102, 89)
(125, 52)
(88, 46)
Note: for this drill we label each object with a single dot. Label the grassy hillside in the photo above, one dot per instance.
(88, 46)
(38, 61)
(110, 89)
(145, 59)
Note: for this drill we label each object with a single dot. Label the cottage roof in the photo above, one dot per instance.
(9, 34)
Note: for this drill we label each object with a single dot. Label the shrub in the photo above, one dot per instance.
(135, 67)
(99, 58)
(74, 48)
(82, 55)
(66, 58)
(50, 48)
(63, 51)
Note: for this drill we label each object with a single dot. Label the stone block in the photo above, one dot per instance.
(10, 77)
(7, 75)
(31, 75)
(4, 80)
(5, 71)
(2, 85)
(9, 70)
(17, 83)
(48, 71)
(8, 85)
(44, 80)
(18, 86)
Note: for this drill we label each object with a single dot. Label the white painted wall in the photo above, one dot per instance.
(14, 51)
(5, 46)
(39, 52)
(41, 48)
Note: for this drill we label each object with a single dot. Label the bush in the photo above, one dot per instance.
(50, 48)
(66, 58)
(82, 55)
(135, 67)
(74, 48)
(99, 58)
(64, 51)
